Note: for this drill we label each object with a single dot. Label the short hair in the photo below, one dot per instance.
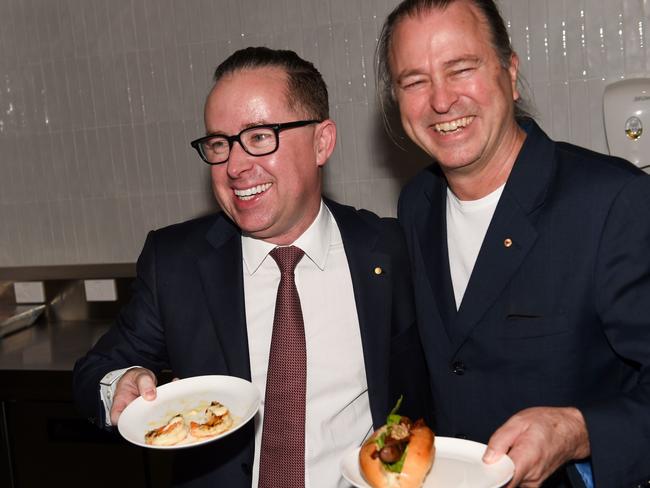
(500, 40)
(306, 88)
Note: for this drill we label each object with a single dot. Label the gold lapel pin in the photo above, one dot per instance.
(507, 242)
(378, 270)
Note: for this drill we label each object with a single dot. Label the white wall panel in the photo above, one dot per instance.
(100, 98)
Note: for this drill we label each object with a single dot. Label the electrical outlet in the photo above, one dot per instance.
(29, 292)
(100, 290)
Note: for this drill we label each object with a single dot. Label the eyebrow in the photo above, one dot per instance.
(462, 59)
(446, 65)
(247, 126)
(407, 73)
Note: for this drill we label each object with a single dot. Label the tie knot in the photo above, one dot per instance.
(287, 258)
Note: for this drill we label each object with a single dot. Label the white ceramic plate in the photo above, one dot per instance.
(189, 396)
(457, 464)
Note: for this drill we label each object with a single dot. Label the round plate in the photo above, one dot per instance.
(189, 396)
(457, 463)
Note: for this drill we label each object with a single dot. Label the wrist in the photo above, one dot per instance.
(107, 387)
(577, 433)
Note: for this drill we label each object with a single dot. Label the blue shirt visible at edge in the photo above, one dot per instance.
(584, 470)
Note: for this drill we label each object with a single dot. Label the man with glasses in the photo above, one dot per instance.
(205, 293)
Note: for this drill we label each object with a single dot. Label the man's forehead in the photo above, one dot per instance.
(251, 96)
(464, 12)
(414, 31)
(218, 121)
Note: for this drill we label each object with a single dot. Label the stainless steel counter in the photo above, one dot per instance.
(49, 346)
(38, 419)
(69, 324)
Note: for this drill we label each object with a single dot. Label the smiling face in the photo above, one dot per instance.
(454, 96)
(274, 197)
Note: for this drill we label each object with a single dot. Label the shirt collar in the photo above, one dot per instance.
(315, 242)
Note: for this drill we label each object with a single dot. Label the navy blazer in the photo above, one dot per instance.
(187, 314)
(560, 317)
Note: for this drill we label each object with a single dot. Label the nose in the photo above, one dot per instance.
(442, 97)
(239, 161)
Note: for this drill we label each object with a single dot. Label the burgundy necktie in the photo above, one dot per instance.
(282, 457)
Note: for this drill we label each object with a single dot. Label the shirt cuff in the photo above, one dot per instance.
(107, 387)
(586, 473)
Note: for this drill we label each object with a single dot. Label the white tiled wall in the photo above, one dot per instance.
(100, 98)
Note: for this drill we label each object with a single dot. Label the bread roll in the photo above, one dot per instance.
(418, 458)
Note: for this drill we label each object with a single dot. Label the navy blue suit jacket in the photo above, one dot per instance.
(187, 314)
(561, 317)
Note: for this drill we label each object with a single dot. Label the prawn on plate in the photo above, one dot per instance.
(218, 420)
(169, 434)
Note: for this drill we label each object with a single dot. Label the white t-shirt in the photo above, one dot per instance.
(467, 224)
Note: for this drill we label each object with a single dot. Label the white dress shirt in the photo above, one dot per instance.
(338, 409)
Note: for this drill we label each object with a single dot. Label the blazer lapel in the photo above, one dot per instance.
(511, 233)
(495, 266)
(220, 268)
(431, 229)
(372, 293)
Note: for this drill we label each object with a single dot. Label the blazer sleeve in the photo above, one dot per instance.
(619, 427)
(136, 338)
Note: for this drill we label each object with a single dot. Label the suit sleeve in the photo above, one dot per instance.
(136, 338)
(619, 427)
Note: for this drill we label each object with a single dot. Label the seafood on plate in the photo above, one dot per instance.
(186, 427)
(169, 434)
(218, 420)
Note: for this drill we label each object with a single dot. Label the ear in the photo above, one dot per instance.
(324, 141)
(513, 71)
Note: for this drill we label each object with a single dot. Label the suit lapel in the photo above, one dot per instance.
(220, 268)
(372, 295)
(511, 233)
(431, 229)
(495, 265)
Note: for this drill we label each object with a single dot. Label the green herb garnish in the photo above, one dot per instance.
(392, 419)
(397, 405)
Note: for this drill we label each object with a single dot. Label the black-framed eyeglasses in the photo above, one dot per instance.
(259, 140)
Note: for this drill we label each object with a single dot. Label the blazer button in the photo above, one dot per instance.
(458, 368)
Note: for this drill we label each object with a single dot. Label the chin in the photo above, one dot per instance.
(256, 231)
(455, 160)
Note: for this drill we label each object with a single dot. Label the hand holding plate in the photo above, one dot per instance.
(134, 383)
(191, 398)
(539, 440)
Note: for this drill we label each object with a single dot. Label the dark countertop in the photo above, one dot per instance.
(36, 363)
(38, 419)
(49, 346)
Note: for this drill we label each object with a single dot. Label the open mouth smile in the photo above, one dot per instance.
(453, 126)
(248, 193)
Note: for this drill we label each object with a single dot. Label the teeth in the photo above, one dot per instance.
(248, 193)
(454, 125)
